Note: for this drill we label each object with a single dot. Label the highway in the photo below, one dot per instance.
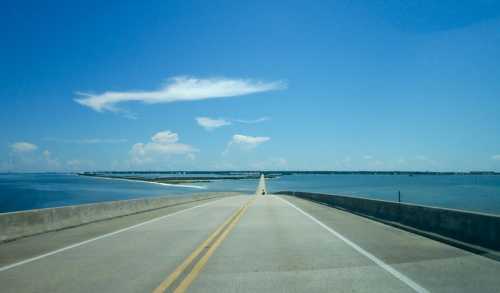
(245, 243)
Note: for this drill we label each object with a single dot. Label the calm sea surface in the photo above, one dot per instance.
(475, 193)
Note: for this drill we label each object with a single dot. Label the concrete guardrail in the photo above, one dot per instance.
(469, 227)
(15, 225)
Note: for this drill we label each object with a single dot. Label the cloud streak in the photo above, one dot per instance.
(88, 140)
(23, 147)
(255, 121)
(180, 88)
(246, 142)
(211, 124)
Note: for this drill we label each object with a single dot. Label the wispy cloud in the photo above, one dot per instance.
(213, 123)
(246, 142)
(495, 157)
(258, 120)
(210, 123)
(162, 144)
(87, 140)
(180, 88)
(23, 147)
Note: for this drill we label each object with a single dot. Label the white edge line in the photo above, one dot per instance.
(373, 258)
(7, 267)
(151, 182)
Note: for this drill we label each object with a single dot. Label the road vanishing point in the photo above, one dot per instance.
(245, 243)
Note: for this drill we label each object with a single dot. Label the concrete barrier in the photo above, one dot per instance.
(470, 227)
(15, 225)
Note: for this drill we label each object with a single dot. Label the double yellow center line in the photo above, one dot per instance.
(208, 246)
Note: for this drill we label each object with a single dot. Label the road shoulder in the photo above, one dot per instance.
(32, 246)
(435, 265)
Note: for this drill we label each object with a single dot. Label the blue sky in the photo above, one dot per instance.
(202, 85)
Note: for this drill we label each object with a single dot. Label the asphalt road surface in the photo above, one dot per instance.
(245, 243)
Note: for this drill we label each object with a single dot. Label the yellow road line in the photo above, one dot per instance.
(203, 261)
(178, 271)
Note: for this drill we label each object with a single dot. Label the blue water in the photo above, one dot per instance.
(34, 191)
(476, 193)
(466, 192)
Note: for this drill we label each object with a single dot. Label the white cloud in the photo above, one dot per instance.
(87, 140)
(367, 157)
(165, 137)
(180, 88)
(247, 142)
(210, 124)
(496, 157)
(26, 157)
(163, 144)
(23, 147)
(258, 120)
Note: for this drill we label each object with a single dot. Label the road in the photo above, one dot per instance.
(242, 244)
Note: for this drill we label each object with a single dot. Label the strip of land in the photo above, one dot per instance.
(174, 179)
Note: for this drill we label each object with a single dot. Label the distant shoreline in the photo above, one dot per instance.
(171, 181)
(237, 175)
(148, 181)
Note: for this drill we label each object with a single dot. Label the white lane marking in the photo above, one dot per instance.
(150, 182)
(4, 268)
(373, 258)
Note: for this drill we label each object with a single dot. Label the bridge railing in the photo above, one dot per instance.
(20, 224)
(457, 227)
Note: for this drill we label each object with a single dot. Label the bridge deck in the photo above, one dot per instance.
(273, 244)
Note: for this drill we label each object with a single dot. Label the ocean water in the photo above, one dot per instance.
(467, 192)
(479, 193)
(43, 190)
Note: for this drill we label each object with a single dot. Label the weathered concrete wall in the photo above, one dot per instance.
(25, 223)
(469, 227)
